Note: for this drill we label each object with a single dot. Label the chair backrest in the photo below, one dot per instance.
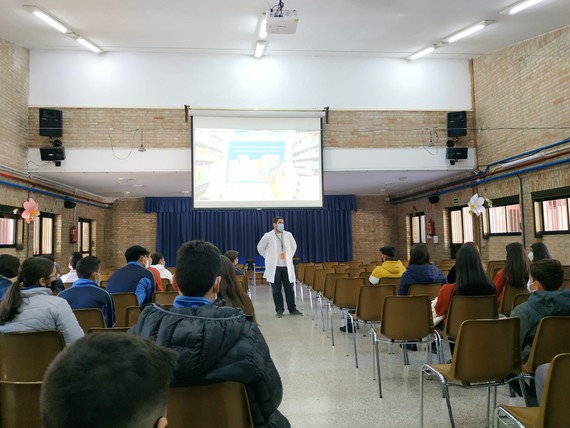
(508, 299)
(555, 399)
(365, 275)
(103, 283)
(319, 279)
(25, 356)
(169, 287)
(371, 301)
(462, 308)
(164, 297)
(341, 268)
(552, 337)
(520, 298)
(89, 318)
(431, 290)
(20, 404)
(492, 266)
(132, 314)
(165, 282)
(487, 350)
(120, 303)
(406, 317)
(301, 270)
(329, 265)
(67, 284)
(309, 276)
(346, 292)
(330, 283)
(355, 272)
(392, 281)
(354, 264)
(221, 405)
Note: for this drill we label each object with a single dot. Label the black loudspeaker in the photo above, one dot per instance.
(457, 124)
(69, 204)
(433, 199)
(51, 123)
(52, 153)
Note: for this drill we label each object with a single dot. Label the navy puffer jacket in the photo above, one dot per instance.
(217, 344)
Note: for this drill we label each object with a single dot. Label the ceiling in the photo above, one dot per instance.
(383, 28)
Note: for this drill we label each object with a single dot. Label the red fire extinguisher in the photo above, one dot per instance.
(73, 235)
(431, 228)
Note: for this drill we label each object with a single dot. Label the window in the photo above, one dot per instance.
(418, 222)
(551, 211)
(84, 236)
(461, 228)
(503, 218)
(10, 227)
(43, 234)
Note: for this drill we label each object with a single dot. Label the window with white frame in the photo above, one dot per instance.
(84, 236)
(551, 211)
(460, 228)
(43, 234)
(503, 218)
(418, 227)
(10, 227)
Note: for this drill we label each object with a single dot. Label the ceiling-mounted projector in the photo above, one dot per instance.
(281, 21)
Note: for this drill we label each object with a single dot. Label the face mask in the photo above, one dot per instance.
(531, 256)
(281, 227)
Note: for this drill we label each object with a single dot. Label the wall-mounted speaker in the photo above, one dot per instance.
(69, 204)
(433, 199)
(457, 124)
(51, 123)
(52, 153)
(455, 153)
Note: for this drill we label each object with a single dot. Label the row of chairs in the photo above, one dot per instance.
(22, 370)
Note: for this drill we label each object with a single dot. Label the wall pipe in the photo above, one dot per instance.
(475, 181)
(67, 196)
(439, 189)
(53, 195)
(521, 202)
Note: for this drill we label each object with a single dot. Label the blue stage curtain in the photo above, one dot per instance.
(322, 234)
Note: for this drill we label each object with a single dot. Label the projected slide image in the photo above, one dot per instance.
(235, 168)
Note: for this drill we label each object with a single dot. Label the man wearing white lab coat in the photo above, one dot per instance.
(278, 247)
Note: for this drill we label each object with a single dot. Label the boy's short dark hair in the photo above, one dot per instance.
(388, 251)
(9, 265)
(132, 254)
(232, 255)
(107, 380)
(74, 259)
(156, 258)
(549, 273)
(87, 266)
(197, 266)
(277, 218)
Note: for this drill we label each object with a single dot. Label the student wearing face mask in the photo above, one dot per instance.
(29, 304)
(278, 247)
(538, 251)
(134, 277)
(85, 292)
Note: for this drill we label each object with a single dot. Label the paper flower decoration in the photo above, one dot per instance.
(31, 211)
(477, 204)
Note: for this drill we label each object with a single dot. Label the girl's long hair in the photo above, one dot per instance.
(517, 267)
(231, 291)
(472, 280)
(31, 271)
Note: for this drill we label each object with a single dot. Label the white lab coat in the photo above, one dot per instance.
(270, 248)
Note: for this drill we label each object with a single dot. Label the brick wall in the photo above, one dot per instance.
(14, 88)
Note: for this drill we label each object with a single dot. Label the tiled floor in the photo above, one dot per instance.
(322, 387)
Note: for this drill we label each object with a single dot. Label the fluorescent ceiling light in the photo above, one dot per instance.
(259, 48)
(89, 45)
(421, 53)
(50, 20)
(516, 8)
(263, 26)
(466, 32)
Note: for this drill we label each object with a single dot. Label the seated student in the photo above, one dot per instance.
(9, 266)
(158, 263)
(515, 272)
(231, 294)
(390, 267)
(420, 270)
(108, 381)
(134, 277)
(214, 343)
(548, 298)
(72, 274)
(56, 283)
(233, 256)
(29, 304)
(85, 292)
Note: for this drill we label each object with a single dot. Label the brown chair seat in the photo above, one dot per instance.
(20, 404)
(120, 302)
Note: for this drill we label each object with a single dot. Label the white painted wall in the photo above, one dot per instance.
(159, 80)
